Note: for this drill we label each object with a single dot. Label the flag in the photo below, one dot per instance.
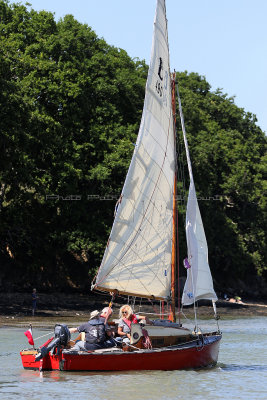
(28, 333)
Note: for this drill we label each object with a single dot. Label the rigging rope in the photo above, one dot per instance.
(191, 180)
(47, 334)
(181, 160)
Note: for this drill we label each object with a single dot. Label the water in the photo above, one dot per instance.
(241, 373)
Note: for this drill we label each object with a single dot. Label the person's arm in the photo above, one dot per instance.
(73, 330)
(139, 317)
(121, 333)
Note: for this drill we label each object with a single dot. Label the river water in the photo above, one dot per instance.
(241, 372)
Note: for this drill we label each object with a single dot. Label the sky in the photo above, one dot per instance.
(223, 40)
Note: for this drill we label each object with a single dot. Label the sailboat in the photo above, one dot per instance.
(141, 253)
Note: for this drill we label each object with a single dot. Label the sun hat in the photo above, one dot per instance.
(94, 314)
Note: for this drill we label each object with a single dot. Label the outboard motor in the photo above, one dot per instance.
(62, 337)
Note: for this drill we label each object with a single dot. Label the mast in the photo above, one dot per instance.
(173, 266)
(174, 235)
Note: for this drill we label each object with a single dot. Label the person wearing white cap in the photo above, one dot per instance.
(98, 333)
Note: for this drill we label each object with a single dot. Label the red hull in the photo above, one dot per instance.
(172, 358)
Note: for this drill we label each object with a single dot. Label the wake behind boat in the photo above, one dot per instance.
(141, 259)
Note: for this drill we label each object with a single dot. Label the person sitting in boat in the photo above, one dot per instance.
(98, 333)
(127, 318)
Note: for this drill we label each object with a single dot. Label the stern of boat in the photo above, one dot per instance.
(48, 363)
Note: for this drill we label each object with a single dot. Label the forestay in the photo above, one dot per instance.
(137, 259)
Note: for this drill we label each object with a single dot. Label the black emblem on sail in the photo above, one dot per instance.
(159, 86)
(160, 69)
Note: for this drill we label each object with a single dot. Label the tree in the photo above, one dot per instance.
(79, 100)
(70, 108)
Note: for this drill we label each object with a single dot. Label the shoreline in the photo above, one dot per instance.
(74, 309)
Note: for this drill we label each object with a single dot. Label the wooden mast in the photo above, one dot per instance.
(174, 236)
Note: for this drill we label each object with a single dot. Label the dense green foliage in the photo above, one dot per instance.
(70, 107)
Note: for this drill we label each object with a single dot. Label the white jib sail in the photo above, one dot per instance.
(137, 259)
(199, 283)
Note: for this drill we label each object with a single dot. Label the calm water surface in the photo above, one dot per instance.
(241, 372)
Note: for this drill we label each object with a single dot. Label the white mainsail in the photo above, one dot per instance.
(137, 259)
(199, 283)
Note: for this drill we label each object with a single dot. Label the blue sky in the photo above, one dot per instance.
(224, 40)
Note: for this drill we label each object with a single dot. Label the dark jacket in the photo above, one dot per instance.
(95, 330)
